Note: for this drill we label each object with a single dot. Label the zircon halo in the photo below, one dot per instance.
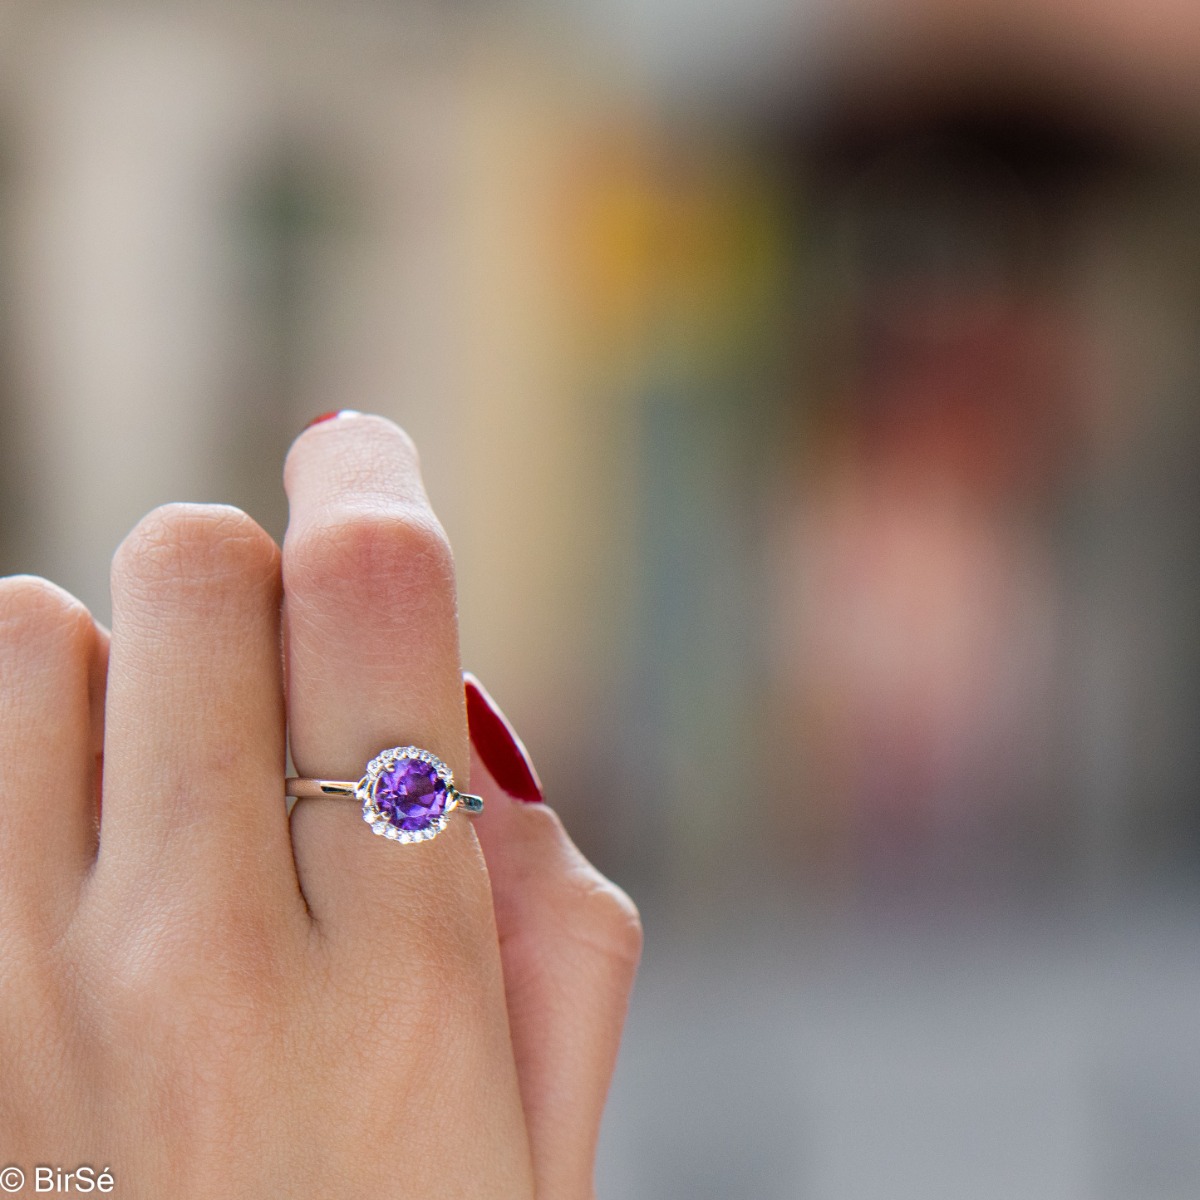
(407, 794)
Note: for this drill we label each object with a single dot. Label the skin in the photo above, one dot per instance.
(214, 1001)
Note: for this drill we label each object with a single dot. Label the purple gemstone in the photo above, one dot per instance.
(410, 794)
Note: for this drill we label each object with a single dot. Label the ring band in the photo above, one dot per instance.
(407, 794)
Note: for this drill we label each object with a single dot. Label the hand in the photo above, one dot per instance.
(211, 1000)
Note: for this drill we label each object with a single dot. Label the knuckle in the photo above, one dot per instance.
(380, 428)
(613, 922)
(405, 553)
(193, 545)
(37, 615)
(225, 971)
(397, 433)
(594, 911)
(573, 900)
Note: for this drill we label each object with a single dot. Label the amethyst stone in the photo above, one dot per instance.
(410, 795)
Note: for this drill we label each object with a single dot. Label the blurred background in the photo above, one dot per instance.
(811, 392)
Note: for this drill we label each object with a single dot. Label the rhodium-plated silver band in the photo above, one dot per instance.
(320, 787)
(407, 794)
(300, 788)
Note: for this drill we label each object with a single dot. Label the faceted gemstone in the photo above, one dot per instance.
(410, 794)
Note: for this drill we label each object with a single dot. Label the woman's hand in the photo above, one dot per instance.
(212, 1001)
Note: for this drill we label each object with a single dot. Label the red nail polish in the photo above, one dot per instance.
(329, 416)
(501, 750)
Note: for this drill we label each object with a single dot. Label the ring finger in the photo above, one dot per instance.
(372, 657)
(371, 645)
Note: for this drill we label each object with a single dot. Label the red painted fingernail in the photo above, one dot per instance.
(329, 416)
(501, 750)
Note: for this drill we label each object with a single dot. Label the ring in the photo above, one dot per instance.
(407, 794)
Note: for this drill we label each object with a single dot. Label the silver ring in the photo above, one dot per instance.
(407, 794)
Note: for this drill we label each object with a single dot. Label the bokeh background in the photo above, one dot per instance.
(812, 394)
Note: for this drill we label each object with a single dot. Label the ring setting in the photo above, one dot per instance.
(407, 794)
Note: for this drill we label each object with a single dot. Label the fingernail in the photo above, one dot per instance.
(329, 416)
(501, 750)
